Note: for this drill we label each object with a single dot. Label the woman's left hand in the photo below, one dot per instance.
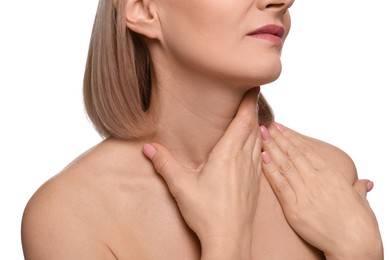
(317, 200)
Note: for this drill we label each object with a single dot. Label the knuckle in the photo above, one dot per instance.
(293, 152)
(282, 186)
(286, 167)
(306, 149)
(161, 163)
(295, 216)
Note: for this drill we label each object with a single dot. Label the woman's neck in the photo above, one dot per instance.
(191, 119)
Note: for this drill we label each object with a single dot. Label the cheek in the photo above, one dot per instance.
(286, 20)
(200, 21)
(199, 35)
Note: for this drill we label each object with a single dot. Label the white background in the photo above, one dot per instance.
(333, 87)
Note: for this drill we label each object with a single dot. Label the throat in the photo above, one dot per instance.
(190, 125)
(191, 139)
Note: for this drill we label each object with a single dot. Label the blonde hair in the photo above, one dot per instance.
(117, 79)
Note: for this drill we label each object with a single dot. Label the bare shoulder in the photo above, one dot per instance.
(67, 217)
(337, 157)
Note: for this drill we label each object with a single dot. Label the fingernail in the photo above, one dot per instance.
(266, 158)
(149, 150)
(370, 186)
(278, 126)
(264, 133)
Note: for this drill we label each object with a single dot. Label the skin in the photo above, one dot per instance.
(315, 196)
(230, 67)
(177, 200)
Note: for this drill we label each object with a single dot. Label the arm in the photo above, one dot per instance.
(318, 201)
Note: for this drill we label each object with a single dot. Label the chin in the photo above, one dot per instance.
(271, 77)
(262, 75)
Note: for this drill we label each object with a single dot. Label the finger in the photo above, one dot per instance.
(250, 143)
(292, 152)
(363, 187)
(243, 123)
(279, 184)
(315, 159)
(166, 166)
(256, 155)
(282, 159)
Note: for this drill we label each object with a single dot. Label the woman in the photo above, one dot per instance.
(174, 79)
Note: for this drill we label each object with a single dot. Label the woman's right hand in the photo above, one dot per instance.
(218, 200)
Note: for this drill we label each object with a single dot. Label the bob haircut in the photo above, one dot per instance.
(117, 80)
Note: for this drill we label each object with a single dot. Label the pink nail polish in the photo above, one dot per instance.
(149, 150)
(370, 186)
(266, 157)
(278, 126)
(264, 133)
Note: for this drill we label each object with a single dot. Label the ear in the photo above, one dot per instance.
(141, 17)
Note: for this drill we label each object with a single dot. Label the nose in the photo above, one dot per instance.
(280, 6)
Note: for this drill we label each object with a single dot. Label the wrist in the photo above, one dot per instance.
(372, 251)
(227, 248)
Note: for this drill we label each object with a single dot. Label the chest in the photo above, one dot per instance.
(154, 229)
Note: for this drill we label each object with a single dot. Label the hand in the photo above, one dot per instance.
(317, 200)
(218, 200)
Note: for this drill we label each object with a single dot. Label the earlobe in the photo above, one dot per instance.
(142, 18)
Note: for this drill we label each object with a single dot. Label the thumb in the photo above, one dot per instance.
(363, 187)
(166, 165)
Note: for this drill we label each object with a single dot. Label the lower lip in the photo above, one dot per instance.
(270, 37)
